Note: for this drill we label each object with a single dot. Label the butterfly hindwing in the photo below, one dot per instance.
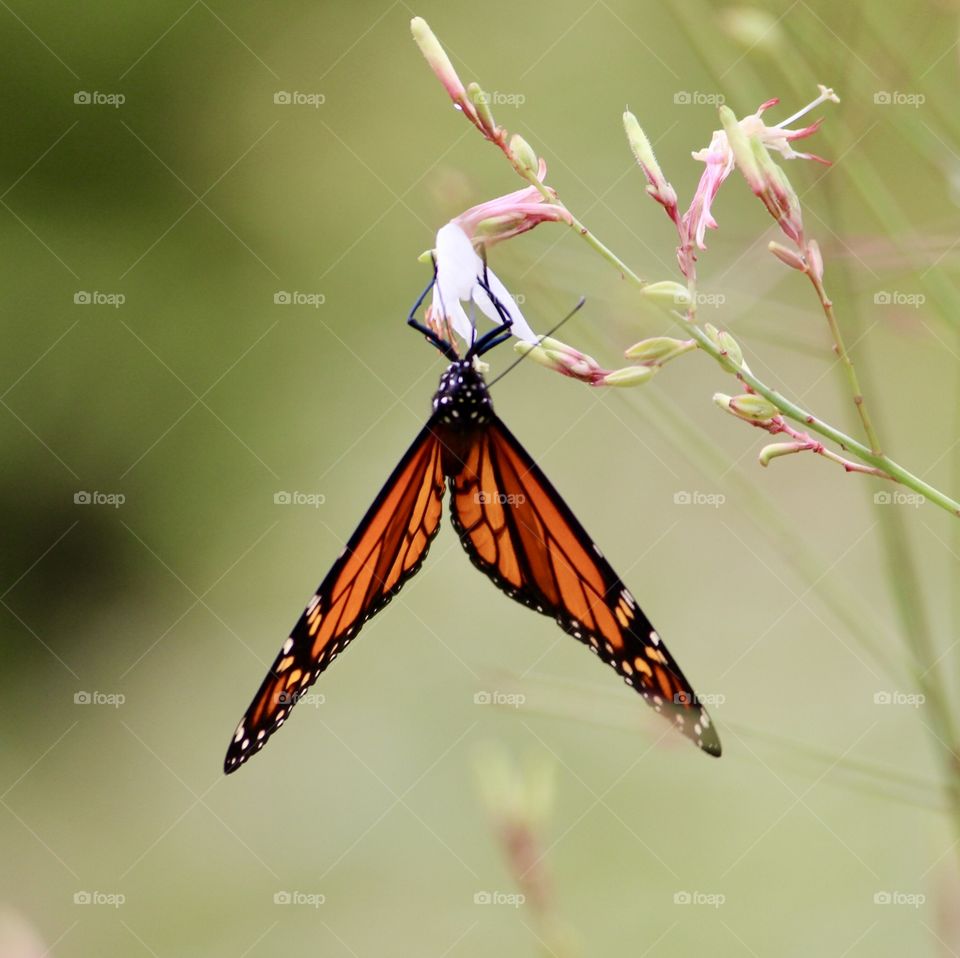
(519, 532)
(386, 550)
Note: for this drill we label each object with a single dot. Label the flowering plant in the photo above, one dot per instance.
(745, 145)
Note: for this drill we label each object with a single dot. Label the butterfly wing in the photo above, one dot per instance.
(519, 532)
(386, 550)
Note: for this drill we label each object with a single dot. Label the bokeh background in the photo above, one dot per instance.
(136, 632)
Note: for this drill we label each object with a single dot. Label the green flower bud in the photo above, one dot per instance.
(668, 293)
(630, 376)
(657, 185)
(659, 350)
(524, 154)
(753, 28)
(481, 102)
(535, 352)
(731, 347)
(497, 778)
(639, 143)
(774, 450)
(747, 406)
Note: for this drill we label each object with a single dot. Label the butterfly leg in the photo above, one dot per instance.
(500, 333)
(428, 333)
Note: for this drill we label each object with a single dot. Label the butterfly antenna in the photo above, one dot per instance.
(540, 339)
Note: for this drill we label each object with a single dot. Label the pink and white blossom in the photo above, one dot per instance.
(460, 275)
(719, 158)
(460, 269)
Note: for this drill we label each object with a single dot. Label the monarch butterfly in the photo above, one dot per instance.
(514, 527)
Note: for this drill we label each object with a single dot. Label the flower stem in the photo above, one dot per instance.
(841, 350)
(585, 234)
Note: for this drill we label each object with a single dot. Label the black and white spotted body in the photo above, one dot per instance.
(462, 401)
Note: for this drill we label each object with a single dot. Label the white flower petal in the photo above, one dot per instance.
(520, 327)
(458, 270)
(460, 321)
(458, 264)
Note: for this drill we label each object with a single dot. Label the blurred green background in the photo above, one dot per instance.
(198, 397)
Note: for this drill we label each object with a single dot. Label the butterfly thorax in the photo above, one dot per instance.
(462, 401)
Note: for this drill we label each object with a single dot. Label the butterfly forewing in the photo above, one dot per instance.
(387, 549)
(516, 529)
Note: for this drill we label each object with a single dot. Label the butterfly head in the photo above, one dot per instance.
(462, 399)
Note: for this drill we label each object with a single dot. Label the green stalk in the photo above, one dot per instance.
(841, 350)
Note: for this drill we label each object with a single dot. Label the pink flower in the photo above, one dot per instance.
(461, 271)
(510, 215)
(720, 160)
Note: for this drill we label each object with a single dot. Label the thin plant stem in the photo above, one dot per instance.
(844, 356)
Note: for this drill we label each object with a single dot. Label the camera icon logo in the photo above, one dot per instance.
(482, 898)
(82, 698)
(882, 898)
(82, 97)
(682, 98)
(882, 498)
(282, 298)
(82, 498)
(82, 298)
(681, 498)
(82, 898)
(682, 898)
(482, 698)
(282, 98)
(882, 98)
(281, 898)
(282, 499)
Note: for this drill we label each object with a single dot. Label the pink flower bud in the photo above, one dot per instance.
(658, 186)
(564, 359)
(793, 259)
(815, 260)
(508, 216)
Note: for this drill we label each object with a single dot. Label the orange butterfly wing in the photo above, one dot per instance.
(519, 532)
(387, 549)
